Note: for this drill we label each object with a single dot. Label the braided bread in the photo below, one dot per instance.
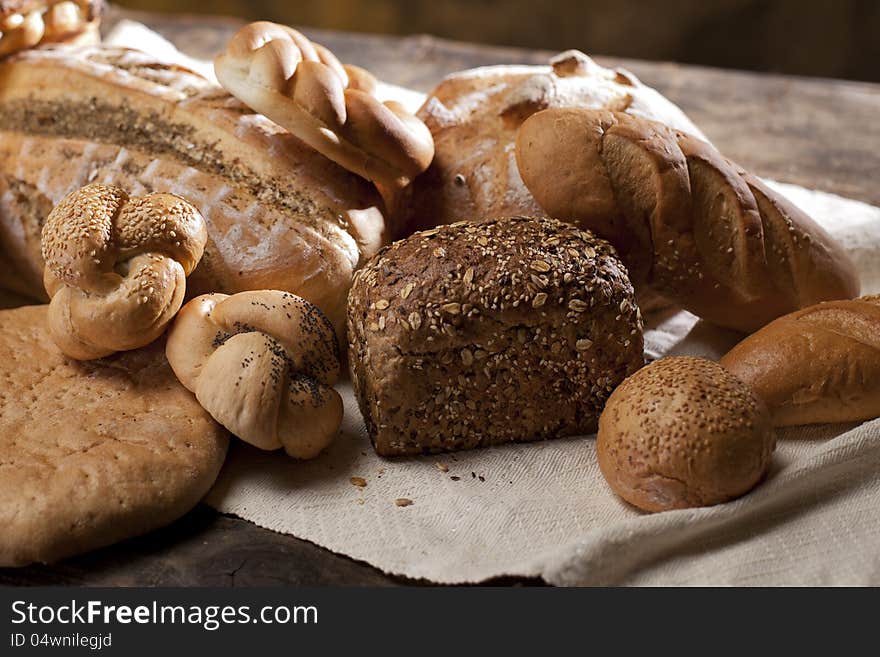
(300, 85)
(28, 23)
(116, 267)
(819, 364)
(687, 222)
(262, 364)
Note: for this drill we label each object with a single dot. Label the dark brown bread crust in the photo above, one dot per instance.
(478, 334)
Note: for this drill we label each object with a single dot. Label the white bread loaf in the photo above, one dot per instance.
(279, 214)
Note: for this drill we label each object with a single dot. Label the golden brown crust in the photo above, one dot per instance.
(474, 115)
(820, 364)
(263, 364)
(683, 432)
(116, 267)
(92, 453)
(303, 87)
(279, 214)
(690, 224)
(478, 334)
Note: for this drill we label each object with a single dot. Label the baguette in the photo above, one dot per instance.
(820, 364)
(279, 214)
(689, 224)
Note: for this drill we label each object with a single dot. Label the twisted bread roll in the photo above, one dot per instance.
(278, 72)
(28, 23)
(819, 364)
(262, 364)
(116, 267)
(688, 223)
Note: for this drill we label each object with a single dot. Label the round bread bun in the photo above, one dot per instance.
(95, 452)
(683, 432)
(476, 334)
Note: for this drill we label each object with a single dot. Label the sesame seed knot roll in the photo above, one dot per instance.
(116, 267)
(263, 364)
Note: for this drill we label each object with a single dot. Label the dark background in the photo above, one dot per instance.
(819, 38)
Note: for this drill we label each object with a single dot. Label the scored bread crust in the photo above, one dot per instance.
(688, 223)
(279, 214)
(93, 453)
(476, 334)
(474, 116)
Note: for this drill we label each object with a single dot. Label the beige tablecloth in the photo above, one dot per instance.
(544, 510)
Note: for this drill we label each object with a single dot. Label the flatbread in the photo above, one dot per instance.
(92, 453)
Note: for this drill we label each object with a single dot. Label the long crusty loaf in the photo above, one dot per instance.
(279, 214)
(687, 222)
(819, 364)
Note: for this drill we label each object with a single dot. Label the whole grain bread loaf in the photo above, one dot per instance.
(472, 334)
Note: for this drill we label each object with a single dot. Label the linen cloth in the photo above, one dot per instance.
(544, 510)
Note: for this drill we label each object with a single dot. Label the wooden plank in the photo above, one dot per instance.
(203, 548)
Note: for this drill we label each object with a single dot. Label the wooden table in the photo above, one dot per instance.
(818, 133)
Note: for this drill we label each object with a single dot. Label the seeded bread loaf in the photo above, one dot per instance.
(279, 214)
(471, 334)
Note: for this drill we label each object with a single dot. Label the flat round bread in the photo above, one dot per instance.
(94, 452)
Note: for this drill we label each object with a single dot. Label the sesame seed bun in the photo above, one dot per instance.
(683, 432)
